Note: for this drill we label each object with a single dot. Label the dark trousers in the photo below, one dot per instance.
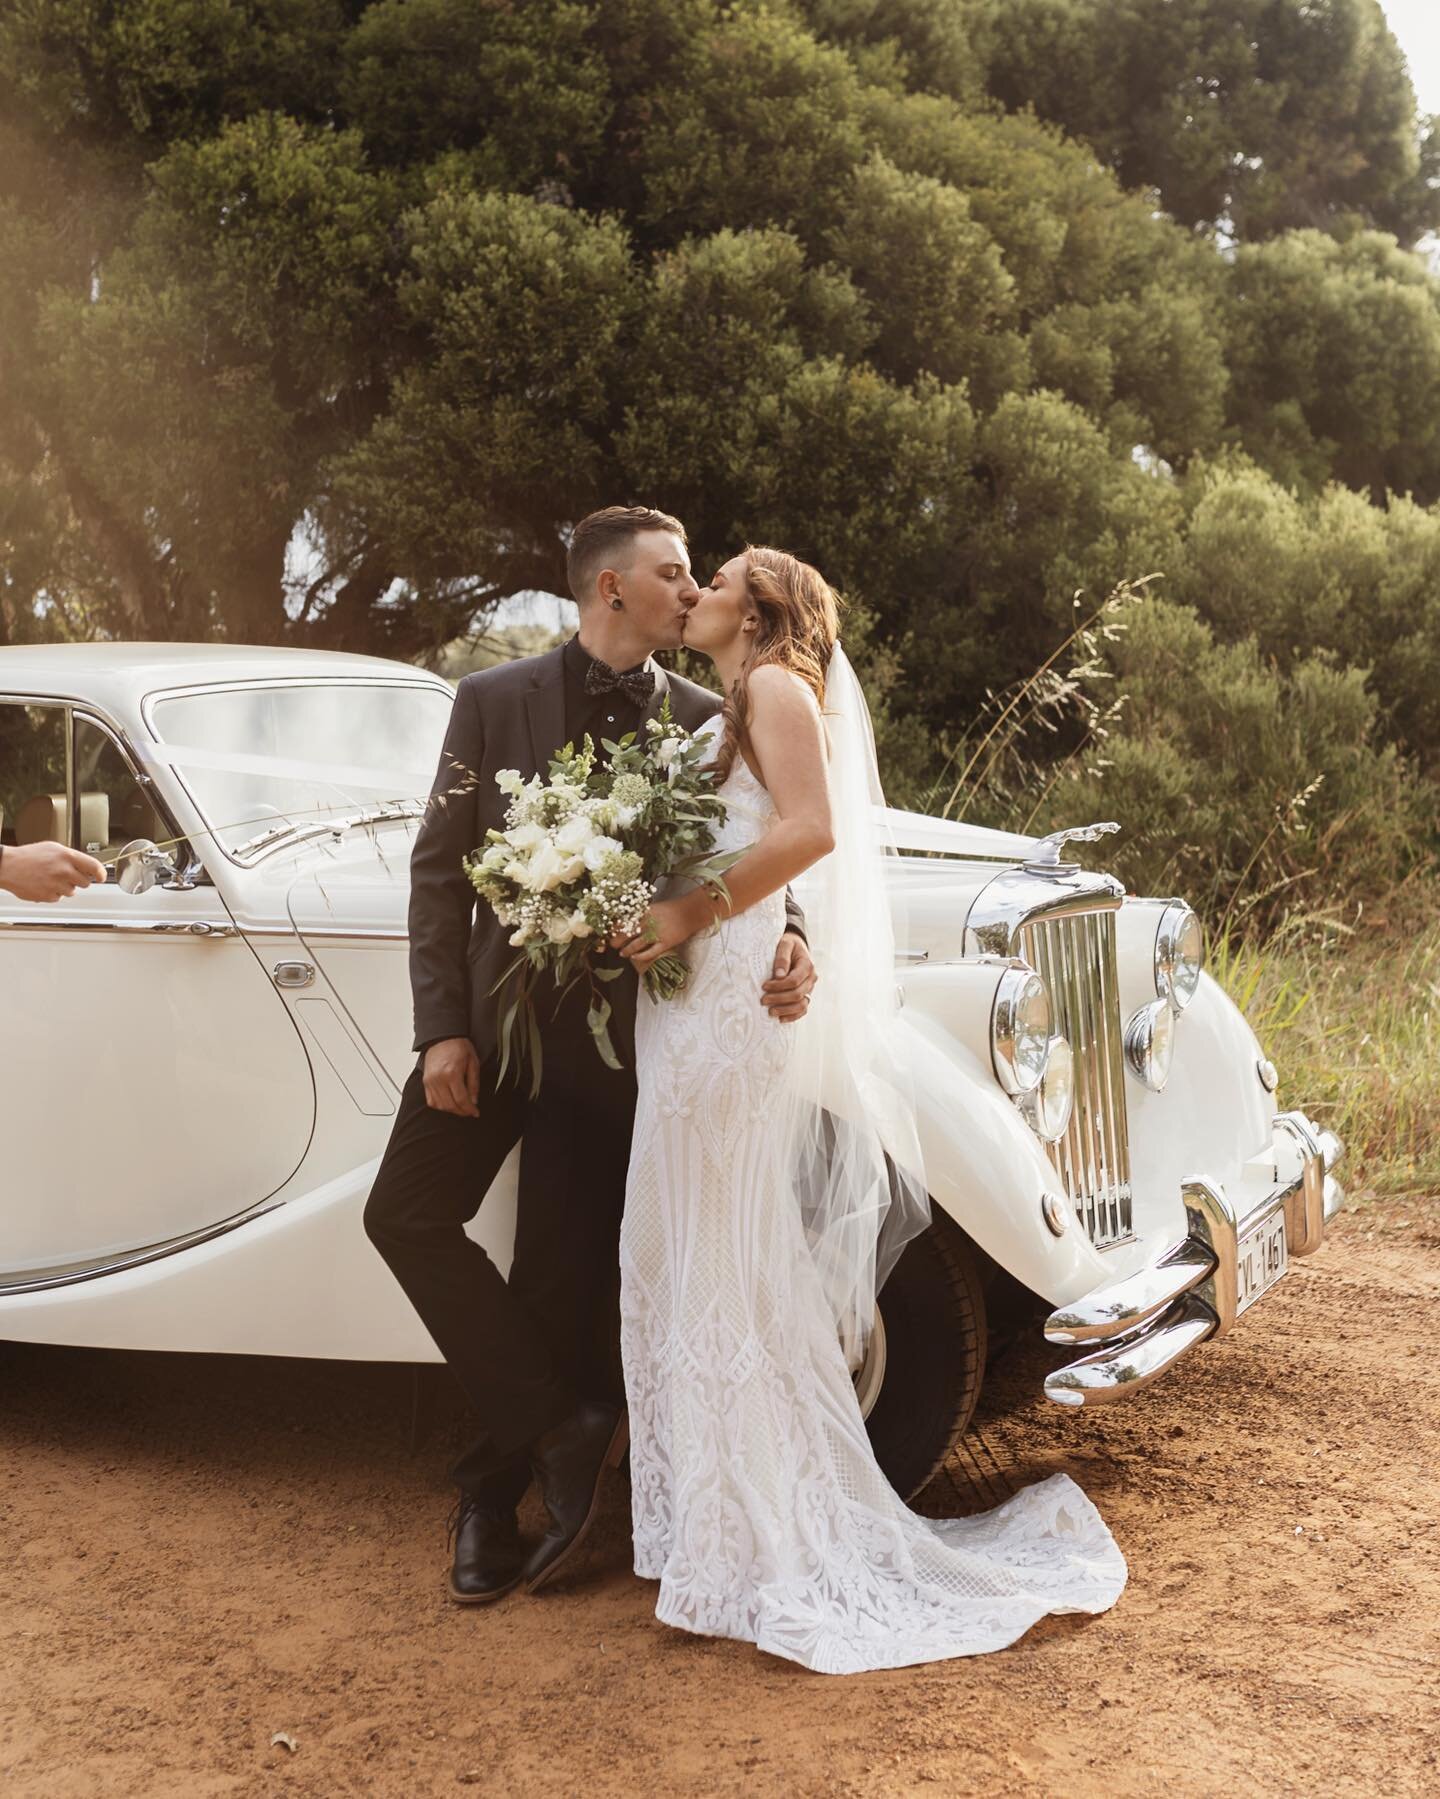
(526, 1350)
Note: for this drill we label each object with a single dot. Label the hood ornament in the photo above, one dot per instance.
(1047, 858)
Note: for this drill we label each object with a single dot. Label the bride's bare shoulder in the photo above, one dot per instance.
(785, 721)
(775, 687)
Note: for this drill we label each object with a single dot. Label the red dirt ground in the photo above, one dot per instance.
(201, 1552)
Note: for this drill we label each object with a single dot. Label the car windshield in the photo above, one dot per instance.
(260, 762)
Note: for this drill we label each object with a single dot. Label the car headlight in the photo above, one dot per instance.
(1179, 955)
(1048, 1105)
(1020, 1030)
(1149, 1039)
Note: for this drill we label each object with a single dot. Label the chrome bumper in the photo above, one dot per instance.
(1143, 1323)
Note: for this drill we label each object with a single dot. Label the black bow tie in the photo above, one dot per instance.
(637, 684)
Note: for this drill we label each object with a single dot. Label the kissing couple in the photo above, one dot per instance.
(748, 1176)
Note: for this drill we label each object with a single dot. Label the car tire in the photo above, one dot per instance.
(933, 1310)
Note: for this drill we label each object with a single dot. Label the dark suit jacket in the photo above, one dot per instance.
(510, 716)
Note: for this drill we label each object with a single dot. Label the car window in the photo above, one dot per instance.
(33, 774)
(114, 808)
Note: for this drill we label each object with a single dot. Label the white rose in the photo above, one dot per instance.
(518, 871)
(597, 849)
(546, 869)
(525, 837)
(578, 926)
(667, 750)
(558, 928)
(575, 833)
(551, 867)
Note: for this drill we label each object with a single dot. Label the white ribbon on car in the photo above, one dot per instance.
(290, 768)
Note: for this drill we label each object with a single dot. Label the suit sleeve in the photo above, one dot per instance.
(794, 917)
(442, 901)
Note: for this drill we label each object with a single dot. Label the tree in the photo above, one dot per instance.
(322, 320)
(1253, 116)
(1335, 362)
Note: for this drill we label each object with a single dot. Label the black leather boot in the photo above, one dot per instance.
(570, 1463)
(489, 1555)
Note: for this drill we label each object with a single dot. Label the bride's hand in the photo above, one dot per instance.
(667, 925)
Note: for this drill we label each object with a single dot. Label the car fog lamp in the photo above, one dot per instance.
(1020, 1030)
(1149, 1039)
(1179, 955)
(1047, 1107)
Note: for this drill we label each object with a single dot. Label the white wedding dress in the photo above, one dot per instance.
(757, 1501)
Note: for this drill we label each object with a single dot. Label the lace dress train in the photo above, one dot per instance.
(757, 1501)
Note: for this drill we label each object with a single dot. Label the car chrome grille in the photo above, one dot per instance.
(1076, 957)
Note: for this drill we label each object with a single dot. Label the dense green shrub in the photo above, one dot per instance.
(321, 321)
(1255, 790)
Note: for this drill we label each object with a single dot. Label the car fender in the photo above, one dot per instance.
(1213, 1114)
(299, 1279)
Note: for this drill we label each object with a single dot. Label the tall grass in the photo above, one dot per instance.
(1352, 1021)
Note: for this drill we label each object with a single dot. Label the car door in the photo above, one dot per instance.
(152, 1083)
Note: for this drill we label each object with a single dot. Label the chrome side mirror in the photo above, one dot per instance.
(141, 864)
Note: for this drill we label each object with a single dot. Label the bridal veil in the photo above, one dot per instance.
(848, 1111)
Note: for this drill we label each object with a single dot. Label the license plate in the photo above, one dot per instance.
(1262, 1258)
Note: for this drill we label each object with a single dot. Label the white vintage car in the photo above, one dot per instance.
(201, 1059)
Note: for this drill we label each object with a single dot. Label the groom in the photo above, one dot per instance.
(536, 1354)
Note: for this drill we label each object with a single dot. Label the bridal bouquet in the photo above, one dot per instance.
(581, 855)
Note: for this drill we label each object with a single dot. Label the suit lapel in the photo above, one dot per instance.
(656, 700)
(690, 704)
(545, 707)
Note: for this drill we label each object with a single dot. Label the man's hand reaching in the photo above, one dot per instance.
(46, 871)
(786, 995)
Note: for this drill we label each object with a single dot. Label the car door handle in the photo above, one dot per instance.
(191, 927)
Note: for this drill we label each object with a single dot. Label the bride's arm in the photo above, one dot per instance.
(787, 739)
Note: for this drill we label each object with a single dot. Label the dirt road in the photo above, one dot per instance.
(200, 1553)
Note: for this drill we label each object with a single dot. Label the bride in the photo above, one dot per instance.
(774, 1176)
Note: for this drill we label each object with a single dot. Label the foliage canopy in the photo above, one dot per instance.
(321, 320)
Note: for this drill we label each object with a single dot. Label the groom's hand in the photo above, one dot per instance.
(786, 995)
(452, 1077)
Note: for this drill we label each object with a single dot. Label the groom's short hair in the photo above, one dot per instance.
(601, 539)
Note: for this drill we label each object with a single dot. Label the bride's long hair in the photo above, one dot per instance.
(799, 623)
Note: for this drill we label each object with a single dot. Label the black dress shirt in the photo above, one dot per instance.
(601, 714)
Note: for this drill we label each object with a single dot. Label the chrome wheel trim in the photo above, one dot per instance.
(869, 1377)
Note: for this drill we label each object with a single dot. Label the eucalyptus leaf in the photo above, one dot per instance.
(598, 1019)
(505, 1034)
(511, 969)
(536, 1058)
